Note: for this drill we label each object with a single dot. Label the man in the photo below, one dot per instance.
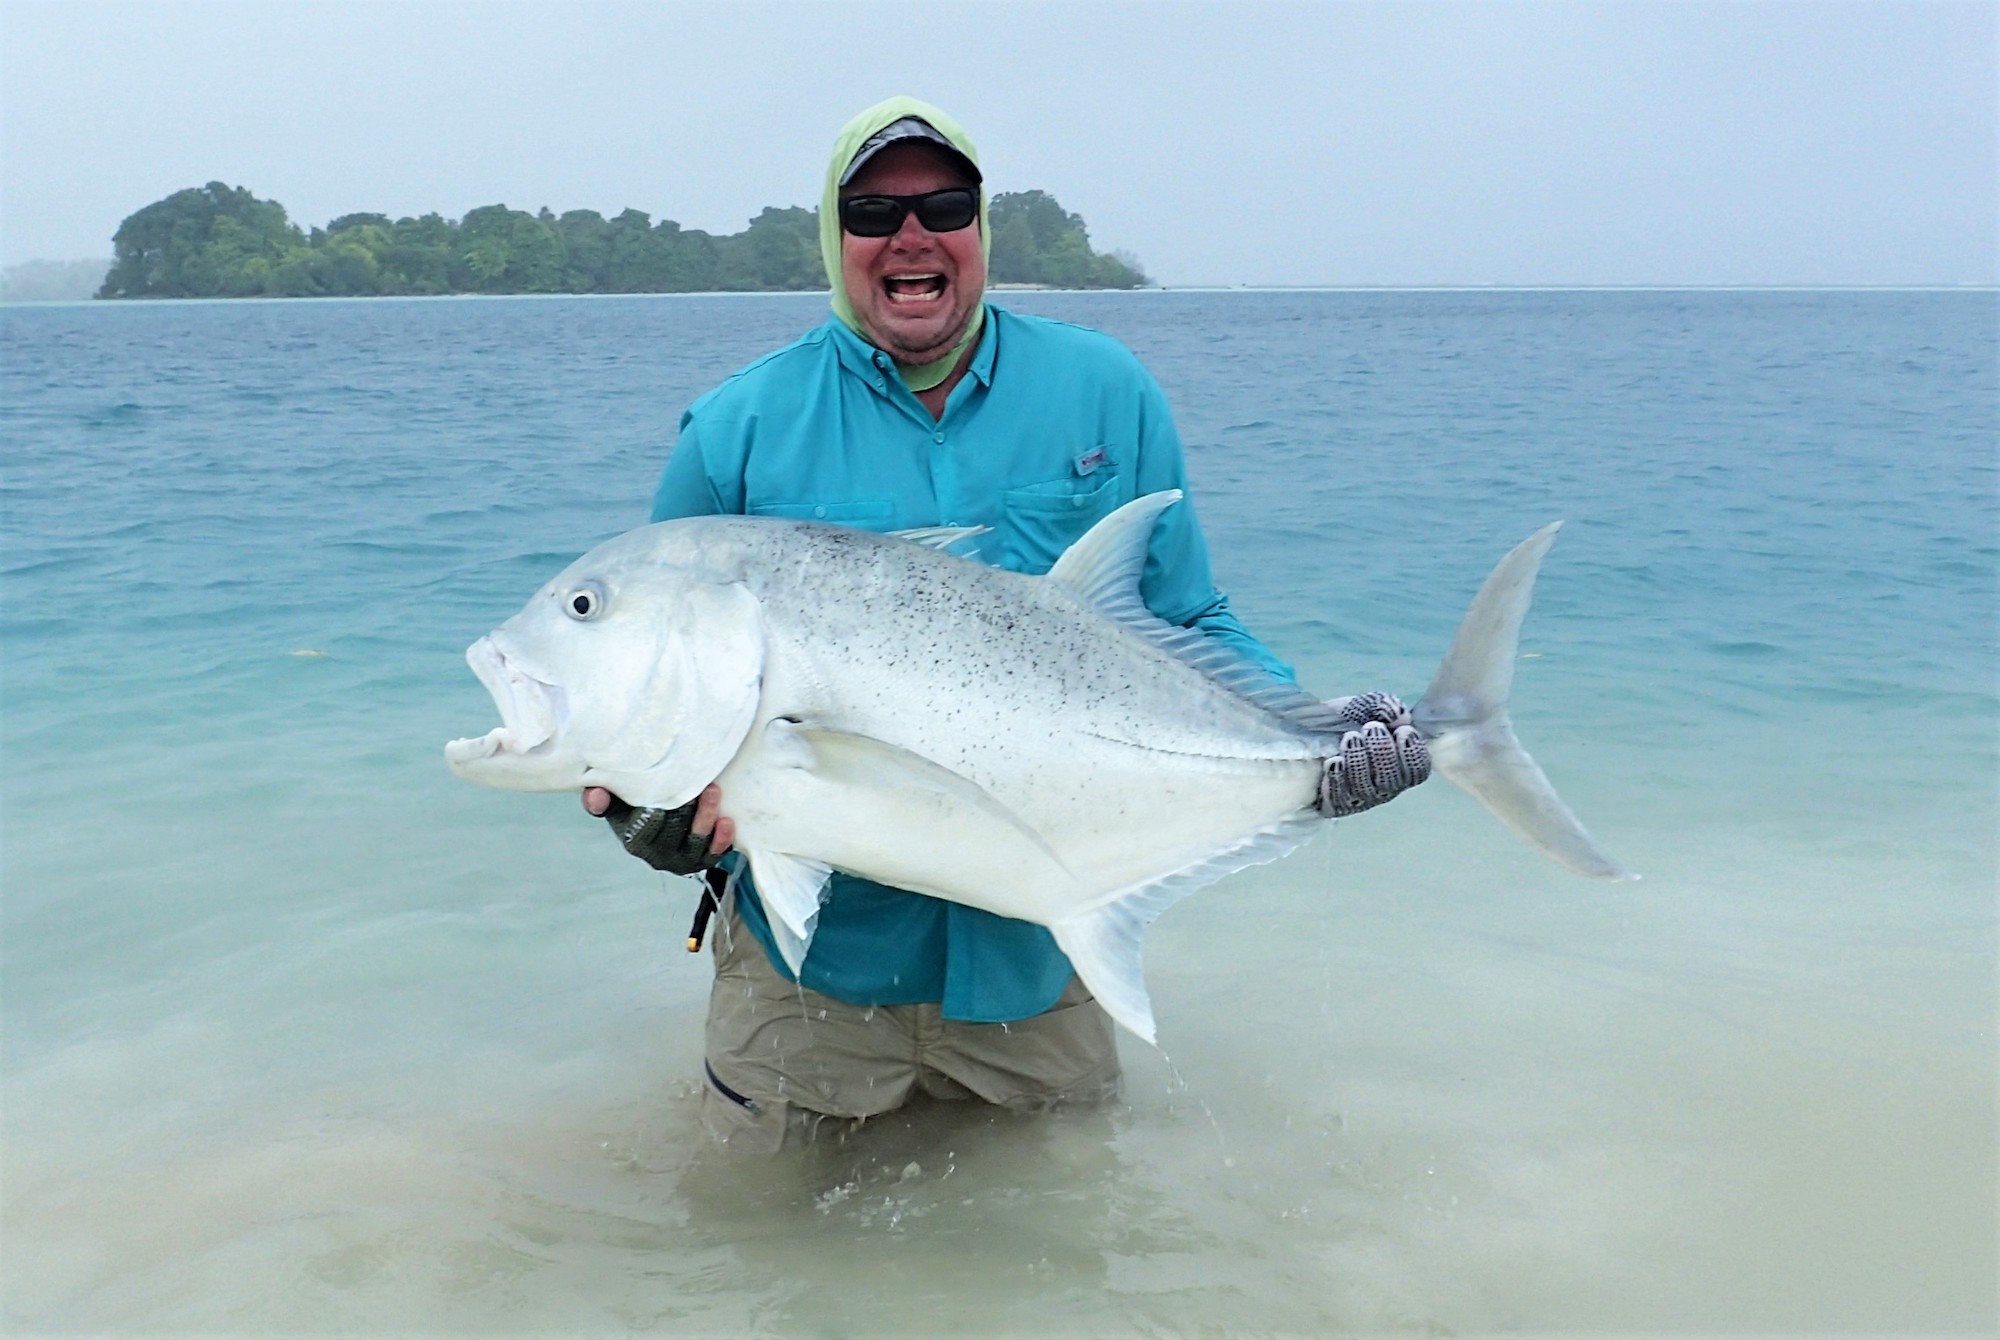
(920, 404)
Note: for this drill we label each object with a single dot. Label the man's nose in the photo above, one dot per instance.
(913, 232)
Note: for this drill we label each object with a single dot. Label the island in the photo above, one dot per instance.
(219, 241)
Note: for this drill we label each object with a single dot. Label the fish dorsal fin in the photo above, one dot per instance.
(939, 537)
(1103, 943)
(1105, 565)
(1104, 568)
(790, 888)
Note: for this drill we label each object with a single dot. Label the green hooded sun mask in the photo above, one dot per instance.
(916, 376)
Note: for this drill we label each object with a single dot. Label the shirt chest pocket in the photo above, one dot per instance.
(862, 514)
(1039, 521)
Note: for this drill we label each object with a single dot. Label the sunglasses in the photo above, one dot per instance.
(944, 211)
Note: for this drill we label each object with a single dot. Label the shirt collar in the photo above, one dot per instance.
(876, 368)
(981, 367)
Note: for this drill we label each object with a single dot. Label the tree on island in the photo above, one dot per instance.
(218, 241)
(221, 241)
(1037, 241)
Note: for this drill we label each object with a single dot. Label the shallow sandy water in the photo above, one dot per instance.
(300, 1036)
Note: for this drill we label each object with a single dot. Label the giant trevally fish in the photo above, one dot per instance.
(1041, 747)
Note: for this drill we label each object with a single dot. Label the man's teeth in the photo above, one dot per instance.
(913, 288)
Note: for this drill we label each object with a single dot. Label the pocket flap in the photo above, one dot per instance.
(1062, 496)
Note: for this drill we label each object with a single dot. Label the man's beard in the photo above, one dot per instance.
(902, 352)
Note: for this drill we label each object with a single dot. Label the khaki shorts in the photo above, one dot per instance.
(785, 1060)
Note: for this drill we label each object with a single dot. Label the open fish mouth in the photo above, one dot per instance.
(532, 711)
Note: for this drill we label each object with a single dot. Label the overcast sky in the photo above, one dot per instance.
(1324, 143)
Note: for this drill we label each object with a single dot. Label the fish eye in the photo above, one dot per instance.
(585, 601)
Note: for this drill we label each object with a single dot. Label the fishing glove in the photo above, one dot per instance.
(1381, 756)
(663, 839)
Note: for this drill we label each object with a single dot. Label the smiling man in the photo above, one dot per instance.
(919, 404)
(912, 262)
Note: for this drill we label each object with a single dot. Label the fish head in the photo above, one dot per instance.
(638, 669)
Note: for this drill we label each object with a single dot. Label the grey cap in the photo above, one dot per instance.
(909, 128)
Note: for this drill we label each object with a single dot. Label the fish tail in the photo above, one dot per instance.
(1463, 719)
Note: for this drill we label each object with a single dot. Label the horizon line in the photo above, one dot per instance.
(1990, 288)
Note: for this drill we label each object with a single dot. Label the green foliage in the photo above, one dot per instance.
(502, 250)
(1037, 241)
(779, 250)
(200, 243)
(221, 241)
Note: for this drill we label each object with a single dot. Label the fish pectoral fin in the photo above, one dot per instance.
(790, 887)
(884, 778)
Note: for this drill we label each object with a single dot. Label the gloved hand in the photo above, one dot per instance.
(1381, 756)
(664, 839)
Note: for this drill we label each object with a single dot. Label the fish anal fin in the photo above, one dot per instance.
(1103, 943)
(1103, 947)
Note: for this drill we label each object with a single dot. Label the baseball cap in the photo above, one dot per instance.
(907, 128)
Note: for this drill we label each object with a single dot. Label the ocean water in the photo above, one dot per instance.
(301, 1035)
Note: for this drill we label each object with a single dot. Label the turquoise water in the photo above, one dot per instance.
(302, 1035)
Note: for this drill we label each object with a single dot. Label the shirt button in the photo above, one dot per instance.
(819, 511)
(937, 437)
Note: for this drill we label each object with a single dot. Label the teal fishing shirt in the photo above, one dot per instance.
(1052, 428)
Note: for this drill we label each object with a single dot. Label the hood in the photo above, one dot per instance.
(921, 376)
